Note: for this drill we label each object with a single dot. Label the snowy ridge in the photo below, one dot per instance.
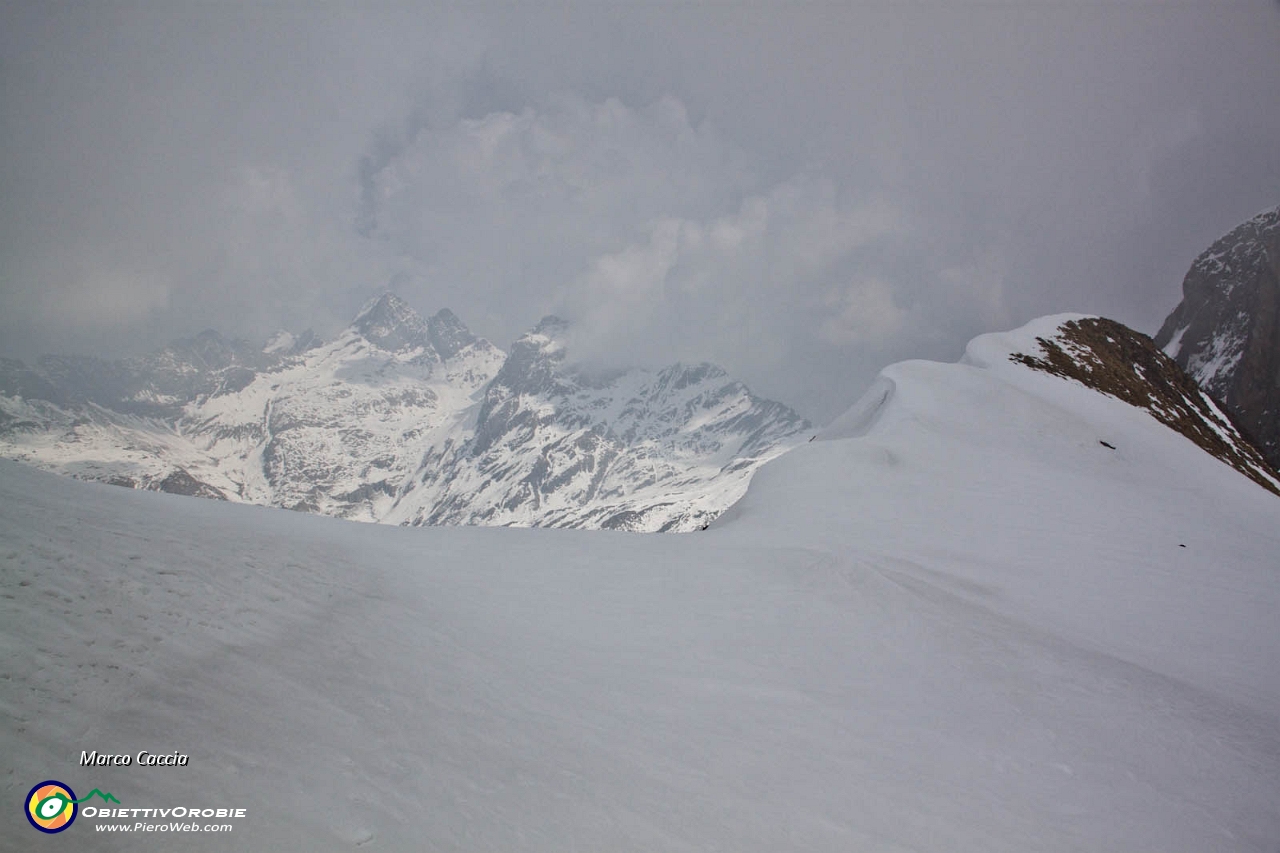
(94, 443)
(959, 621)
(1048, 486)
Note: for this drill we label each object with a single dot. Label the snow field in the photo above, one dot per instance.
(957, 623)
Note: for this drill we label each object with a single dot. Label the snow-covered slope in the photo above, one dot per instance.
(958, 622)
(91, 442)
(405, 420)
(1035, 496)
(337, 430)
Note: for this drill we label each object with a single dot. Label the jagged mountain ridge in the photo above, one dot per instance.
(401, 419)
(1226, 330)
(640, 449)
(338, 430)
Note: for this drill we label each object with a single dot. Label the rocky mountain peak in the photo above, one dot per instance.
(551, 326)
(533, 362)
(1238, 256)
(392, 324)
(448, 334)
(1226, 331)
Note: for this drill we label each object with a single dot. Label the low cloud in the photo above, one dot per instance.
(497, 213)
(734, 289)
(108, 298)
(862, 312)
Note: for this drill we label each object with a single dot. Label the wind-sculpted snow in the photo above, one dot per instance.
(404, 420)
(959, 621)
(1051, 494)
(862, 416)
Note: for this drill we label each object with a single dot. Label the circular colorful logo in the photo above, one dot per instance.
(51, 806)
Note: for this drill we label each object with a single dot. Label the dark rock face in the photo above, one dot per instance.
(1226, 330)
(448, 335)
(182, 483)
(390, 323)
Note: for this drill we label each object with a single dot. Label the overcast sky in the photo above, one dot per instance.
(802, 192)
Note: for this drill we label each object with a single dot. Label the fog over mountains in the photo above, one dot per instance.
(404, 420)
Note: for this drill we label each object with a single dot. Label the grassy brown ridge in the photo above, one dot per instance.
(1112, 358)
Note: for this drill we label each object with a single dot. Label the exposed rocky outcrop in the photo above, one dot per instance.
(1114, 359)
(182, 483)
(1226, 330)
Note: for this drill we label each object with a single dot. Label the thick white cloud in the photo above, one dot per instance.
(736, 288)
(651, 232)
(863, 311)
(513, 206)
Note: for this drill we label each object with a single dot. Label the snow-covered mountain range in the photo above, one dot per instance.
(1226, 330)
(404, 420)
(1000, 605)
